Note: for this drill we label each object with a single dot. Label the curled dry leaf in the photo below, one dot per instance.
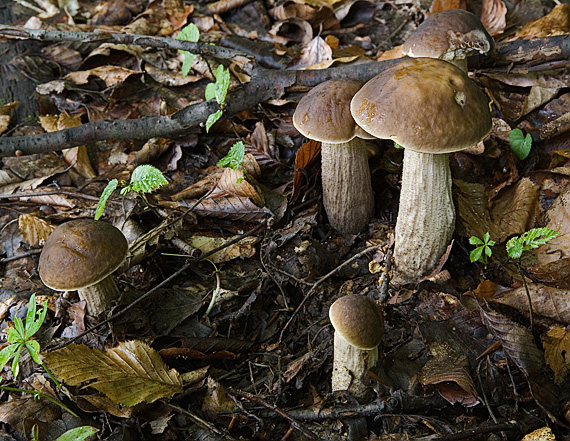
(313, 54)
(5, 115)
(294, 30)
(448, 373)
(217, 399)
(494, 16)
(307, 165)
(556, 349)
(34, 230)
(111, 75)
(129, 374)
(233, 182)
(442, 5)
(557, 22)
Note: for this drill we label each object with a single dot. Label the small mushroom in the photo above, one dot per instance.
(431, 108)
(81, 255)
(451, 35)
(323, 115)
(359, 328)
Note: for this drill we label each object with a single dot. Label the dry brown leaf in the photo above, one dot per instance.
(230, 207)
(391, 54)
(494, 16)
(556, 349)
(129, 374)
(557, 22)
(442, 5)
(111, 75)
(306, 160)
(5, 115)
(217, 399)
(542, 434)
(316, 52)
(34, 230)
(151, 150)
(233, 182)
(294, 30)
(76, 156)
(448, 373)
(76, 314)
(243, 249)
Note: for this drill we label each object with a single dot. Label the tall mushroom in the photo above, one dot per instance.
(359, 328)
(451, 35)
(323, 115)
(431, 108)
(81, 255)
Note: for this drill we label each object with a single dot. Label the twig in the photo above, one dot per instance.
(321, 280)
(15, 32)
(297, 425)
(73, 194)
(472, 433)
(201, 422)
(20, 256)
(155, 288)
(385, 278)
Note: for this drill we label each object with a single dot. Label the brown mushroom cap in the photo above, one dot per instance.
(358, 320)
(80, 253)
(424, 104)
(449, 34)
(323, 114)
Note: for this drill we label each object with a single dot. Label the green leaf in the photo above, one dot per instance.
(109, 189)
(475, 255)
(189, 32)
(15, 365)
(210, 92)
(212, 119)
(520, 144)
(31, 315)
(33, 348)
(146, 178)
(12, 335)
(6, 354)
(234, 158)
(19, 325)
(514, 248)
(222, 84)
(474, 240)
(187, 62)
(78, 434)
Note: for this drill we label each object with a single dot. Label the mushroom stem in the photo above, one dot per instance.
(350, 366)
(426, 217)
(347, 188)
(100, 296)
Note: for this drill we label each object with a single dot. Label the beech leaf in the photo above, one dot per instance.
(129, 374)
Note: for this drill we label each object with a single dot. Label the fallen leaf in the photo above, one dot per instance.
(111, 75)
(34, 230)
(494, 16)
(128, 374)
(242, 249)
(542, 434)
(556, 352)
(557, 22)
(442, 5)
(317, 51)
(217, 399)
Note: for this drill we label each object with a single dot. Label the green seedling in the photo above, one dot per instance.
(234, 158)
(188, 33)
(218, 91)
(144, 179)
(483, 251)
(520, 144)
(530, 240)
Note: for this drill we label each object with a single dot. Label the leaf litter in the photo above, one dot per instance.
(234, 373)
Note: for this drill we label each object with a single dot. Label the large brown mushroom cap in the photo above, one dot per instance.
(323, 114)
(81, 253)
(424, 104)
(449, 34)
(358, 320)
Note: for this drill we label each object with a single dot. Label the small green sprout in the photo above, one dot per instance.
(20, 336)
(218, 91)
(529, 240)
(144, 179)
(188, 33)
(520, 144)
(483, 251)
(235, 156)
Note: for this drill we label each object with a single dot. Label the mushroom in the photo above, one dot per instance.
(431, 108)
(359, 328)
(451, 35)
(81, 255)
(323, 115)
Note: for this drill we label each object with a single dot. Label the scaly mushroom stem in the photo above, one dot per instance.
(350, 365)
(347, 188)
(100, 296)
(426, 217)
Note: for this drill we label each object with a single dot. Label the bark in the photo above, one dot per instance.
(350, 366)
(99, 297)
(347, 187)
(426, 217)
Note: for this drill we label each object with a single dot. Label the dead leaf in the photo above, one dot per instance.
(556, 350)
(111, 75)
(542, 434)
(314, 53)
(233, 182)
(77, 316)
(448, 373)
(293, 30)
(307, 166)
(242, 249)
(129, 374)
(494, 16)
(442, 5)
(557, 22)
(5, 114)
(217, 399)
(151, 150)
(34, 230)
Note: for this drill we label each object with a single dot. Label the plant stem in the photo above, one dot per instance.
(530, 311)
(40, 394)
(50, 374)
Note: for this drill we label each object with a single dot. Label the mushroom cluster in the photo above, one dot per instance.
(359, 328)
(323, 114)
(431, 108)
(81, 255)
